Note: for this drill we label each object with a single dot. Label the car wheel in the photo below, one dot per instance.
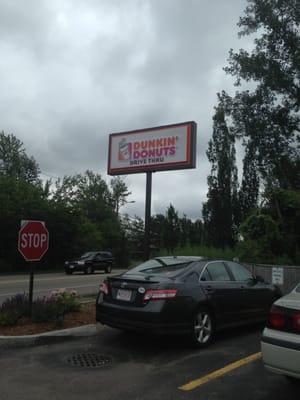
(203, 328)
(108, 269)
(89, 270)
(68, 272)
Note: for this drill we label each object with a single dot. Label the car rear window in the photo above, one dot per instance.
(161, 267)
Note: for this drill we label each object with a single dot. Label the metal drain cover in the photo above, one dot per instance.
(88, 360)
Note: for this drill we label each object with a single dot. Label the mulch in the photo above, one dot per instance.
(25, 327)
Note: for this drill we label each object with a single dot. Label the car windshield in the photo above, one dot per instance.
(87, 256)
(169, 267)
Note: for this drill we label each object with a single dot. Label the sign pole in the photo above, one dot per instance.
(148, 214)
(31, 287)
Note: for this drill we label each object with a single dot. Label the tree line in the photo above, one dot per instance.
(261, 214)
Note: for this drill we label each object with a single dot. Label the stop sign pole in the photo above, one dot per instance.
(32, 244)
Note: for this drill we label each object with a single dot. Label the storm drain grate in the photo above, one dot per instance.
(88, 360)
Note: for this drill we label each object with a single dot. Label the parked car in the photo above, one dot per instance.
(281, 338)
(184, 295)
(90, 262)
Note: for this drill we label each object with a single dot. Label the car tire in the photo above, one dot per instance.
(68, 272)
(88, 270)
(108, 268)
(203, 328)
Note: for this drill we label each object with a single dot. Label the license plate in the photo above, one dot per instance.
(124, 295)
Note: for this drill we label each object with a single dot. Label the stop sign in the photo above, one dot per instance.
(33, 240)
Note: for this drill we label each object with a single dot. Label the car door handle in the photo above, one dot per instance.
(209, 289)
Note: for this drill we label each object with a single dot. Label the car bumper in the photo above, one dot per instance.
(281, 352)
(154, 322)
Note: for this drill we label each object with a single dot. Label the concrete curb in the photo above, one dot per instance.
(49, 337)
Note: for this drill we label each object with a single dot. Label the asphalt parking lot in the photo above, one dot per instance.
(142, 367)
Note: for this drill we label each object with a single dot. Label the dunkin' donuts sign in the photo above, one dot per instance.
(154, 149)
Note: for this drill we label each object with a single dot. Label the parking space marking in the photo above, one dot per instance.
(220, 372)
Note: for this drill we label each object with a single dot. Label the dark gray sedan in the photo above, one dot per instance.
(184, 295)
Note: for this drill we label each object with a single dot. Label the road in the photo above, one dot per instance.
(143, 367)
(44, 283)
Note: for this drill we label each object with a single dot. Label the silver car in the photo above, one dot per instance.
(281, 338)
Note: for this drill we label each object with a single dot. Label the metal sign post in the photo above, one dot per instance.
(148, 215)
(31, 287)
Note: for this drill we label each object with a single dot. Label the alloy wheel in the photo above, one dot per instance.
(203, 328)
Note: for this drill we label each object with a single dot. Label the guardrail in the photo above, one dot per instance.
(288, 275)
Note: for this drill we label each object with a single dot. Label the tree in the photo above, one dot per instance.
(119, 194)
(196, 233)
(88, 197)
(220, 209)
(135, 233)
(171, 231)
(261, 237)
(268, 116)
(185, 225)
(249, 191)
(18, 200)
(157, 225)
(14, 161)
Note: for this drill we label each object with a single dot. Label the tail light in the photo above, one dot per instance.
(159, 294)
(104, 287)
(296, 321)
(276, 318)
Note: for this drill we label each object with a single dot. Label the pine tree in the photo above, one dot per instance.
(219, 212)
(249, 191)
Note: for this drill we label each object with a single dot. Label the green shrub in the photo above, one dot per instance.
(46, 310)
(8, 318)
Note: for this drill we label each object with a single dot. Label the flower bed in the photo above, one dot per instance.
(60, 309)
(25, 326)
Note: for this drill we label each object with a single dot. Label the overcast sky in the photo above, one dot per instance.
(73, 71)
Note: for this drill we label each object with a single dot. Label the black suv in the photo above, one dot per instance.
(90, 262)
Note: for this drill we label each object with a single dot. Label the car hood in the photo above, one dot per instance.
(291, 300)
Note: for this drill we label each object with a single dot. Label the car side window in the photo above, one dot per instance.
(239, 272)
(205, 275)
(98, 257)
(218, 272)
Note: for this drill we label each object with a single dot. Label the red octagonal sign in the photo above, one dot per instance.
(33, 240)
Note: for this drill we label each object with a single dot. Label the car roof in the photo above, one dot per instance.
(181, 258)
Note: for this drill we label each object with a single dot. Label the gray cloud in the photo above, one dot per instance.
(72, 72)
